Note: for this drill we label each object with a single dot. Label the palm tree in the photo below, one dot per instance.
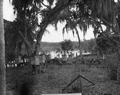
(83, 15)
(73, 26)
(99, 12)
(2, 53)
(24, 9)
(66, 46)
(28, 12)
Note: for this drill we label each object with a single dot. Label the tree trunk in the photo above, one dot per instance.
(48, 19)
(118, 66)
(2, 54)
(43, 26)
(80, 49)
(51, 16)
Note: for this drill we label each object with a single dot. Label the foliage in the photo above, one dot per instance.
(92, 46)
(13, 42)
(47, 46)
(108, 44)
(88, 12)
(66, 45)
(36, 15)
(29, 13)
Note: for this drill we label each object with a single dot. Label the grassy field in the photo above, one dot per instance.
(55, 78)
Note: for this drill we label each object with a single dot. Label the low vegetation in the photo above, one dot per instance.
(87, 45)
(55, 78)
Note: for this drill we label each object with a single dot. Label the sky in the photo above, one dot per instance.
(53, 35)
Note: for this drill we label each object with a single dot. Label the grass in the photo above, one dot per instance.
(56, 78)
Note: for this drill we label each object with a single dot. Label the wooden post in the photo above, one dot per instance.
(2, 53)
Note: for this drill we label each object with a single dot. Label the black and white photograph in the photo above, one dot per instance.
(59, 47)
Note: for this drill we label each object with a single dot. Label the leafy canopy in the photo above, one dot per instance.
(66, 45)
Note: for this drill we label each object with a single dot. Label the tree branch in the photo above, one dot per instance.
(22, 36)
(25, 40)
(45, 5)
(51, 16)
